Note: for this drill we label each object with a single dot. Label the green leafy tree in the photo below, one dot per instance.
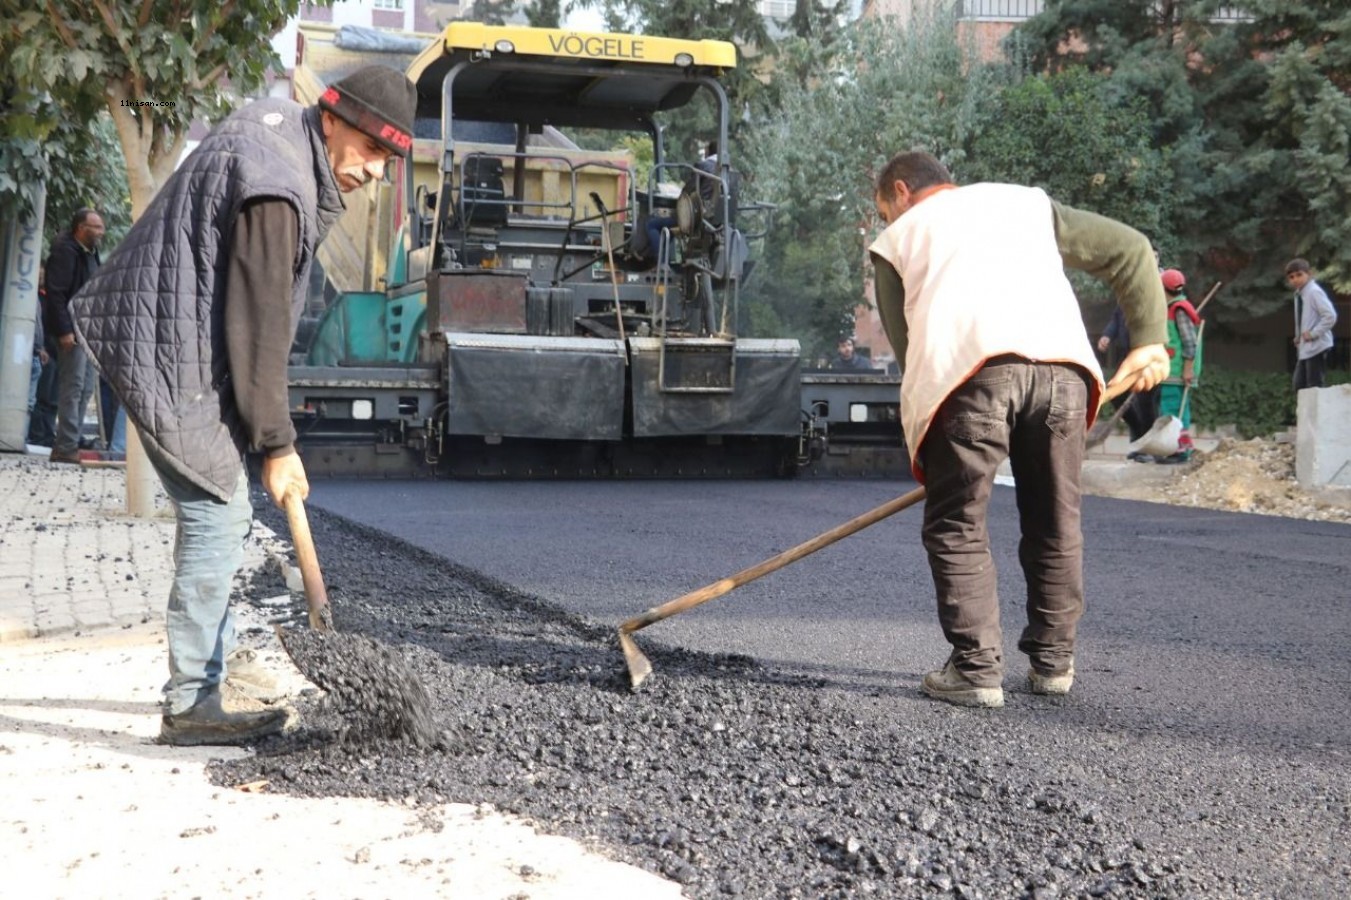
(1251, 99)
(73, 57)
(738, 21)
(493, 12)
(544, 13)
(1066, 133)
(886, 88)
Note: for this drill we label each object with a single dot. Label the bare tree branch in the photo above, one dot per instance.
(63, 29)
(118, 35)
(211, 78)
(223, 15)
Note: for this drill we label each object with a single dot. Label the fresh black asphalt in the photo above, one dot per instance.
(782, 748)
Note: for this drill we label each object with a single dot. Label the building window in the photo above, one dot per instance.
(777, 9)
(998, 10)
(389, 4)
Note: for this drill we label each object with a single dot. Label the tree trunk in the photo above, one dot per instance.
(151, 151)
(149, 165)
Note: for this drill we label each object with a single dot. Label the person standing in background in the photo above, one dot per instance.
(1184, 362)
(43, 393)
(73, 261)
(1314, 320)
(1144, 405)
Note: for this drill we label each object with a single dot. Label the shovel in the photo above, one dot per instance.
(316, 595)
(1163, 438)
(1100, 430)
(374, 690)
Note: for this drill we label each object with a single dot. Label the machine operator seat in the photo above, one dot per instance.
(483, 193)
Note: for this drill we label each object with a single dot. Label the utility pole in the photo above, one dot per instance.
(21, 251)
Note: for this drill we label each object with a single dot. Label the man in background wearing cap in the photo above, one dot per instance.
(192, 320)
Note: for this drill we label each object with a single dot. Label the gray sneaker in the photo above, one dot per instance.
(951, 686)
(216, 721)
(1051, 684)
(245, 673)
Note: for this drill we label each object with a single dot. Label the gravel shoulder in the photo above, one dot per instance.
(1252, 476)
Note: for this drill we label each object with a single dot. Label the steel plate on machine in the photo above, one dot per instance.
(764, 396)
(533, 386)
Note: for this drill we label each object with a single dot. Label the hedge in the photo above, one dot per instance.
(1257, 404)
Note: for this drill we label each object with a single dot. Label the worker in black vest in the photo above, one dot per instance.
(191, 321)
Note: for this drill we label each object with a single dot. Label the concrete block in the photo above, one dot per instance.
(1323, 438)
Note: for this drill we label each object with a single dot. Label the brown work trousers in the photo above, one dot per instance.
(1032, 414)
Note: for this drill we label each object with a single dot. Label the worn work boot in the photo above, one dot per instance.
(221, 721)
(1050, 684)
(246, 673)
(949, 685)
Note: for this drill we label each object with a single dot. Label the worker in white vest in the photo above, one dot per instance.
(973, 295)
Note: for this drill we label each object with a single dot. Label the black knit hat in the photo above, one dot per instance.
(378, 101)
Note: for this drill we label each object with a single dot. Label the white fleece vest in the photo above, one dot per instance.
(983, 277)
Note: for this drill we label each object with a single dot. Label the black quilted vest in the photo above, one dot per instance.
(153, 316)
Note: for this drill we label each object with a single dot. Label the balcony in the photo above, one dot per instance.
(1018, 10)
(997, 10)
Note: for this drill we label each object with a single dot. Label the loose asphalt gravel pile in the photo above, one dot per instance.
(737, 779)
(371, 692)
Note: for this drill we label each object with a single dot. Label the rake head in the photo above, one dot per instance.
(639, 666)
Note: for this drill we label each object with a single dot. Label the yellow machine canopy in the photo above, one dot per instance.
(505, 73)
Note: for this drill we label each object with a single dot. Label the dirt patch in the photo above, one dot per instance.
(1254, 476)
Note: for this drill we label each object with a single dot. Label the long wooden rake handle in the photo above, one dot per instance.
(316, 596)
(773, 564)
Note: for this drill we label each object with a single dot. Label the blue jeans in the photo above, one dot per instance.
(118, 444)
(42, 423)
(35, 375)
(208, 551)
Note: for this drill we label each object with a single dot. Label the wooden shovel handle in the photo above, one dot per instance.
(773, 564)
(316, 597)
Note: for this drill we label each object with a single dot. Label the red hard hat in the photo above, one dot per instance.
(1173, 280)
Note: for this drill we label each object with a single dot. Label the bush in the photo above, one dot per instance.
(1258, 404)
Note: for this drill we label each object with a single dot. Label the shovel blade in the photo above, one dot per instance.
(639, 666)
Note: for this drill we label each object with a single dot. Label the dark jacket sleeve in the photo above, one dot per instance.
(1116, 328)
(60, 279)
(258, 326)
